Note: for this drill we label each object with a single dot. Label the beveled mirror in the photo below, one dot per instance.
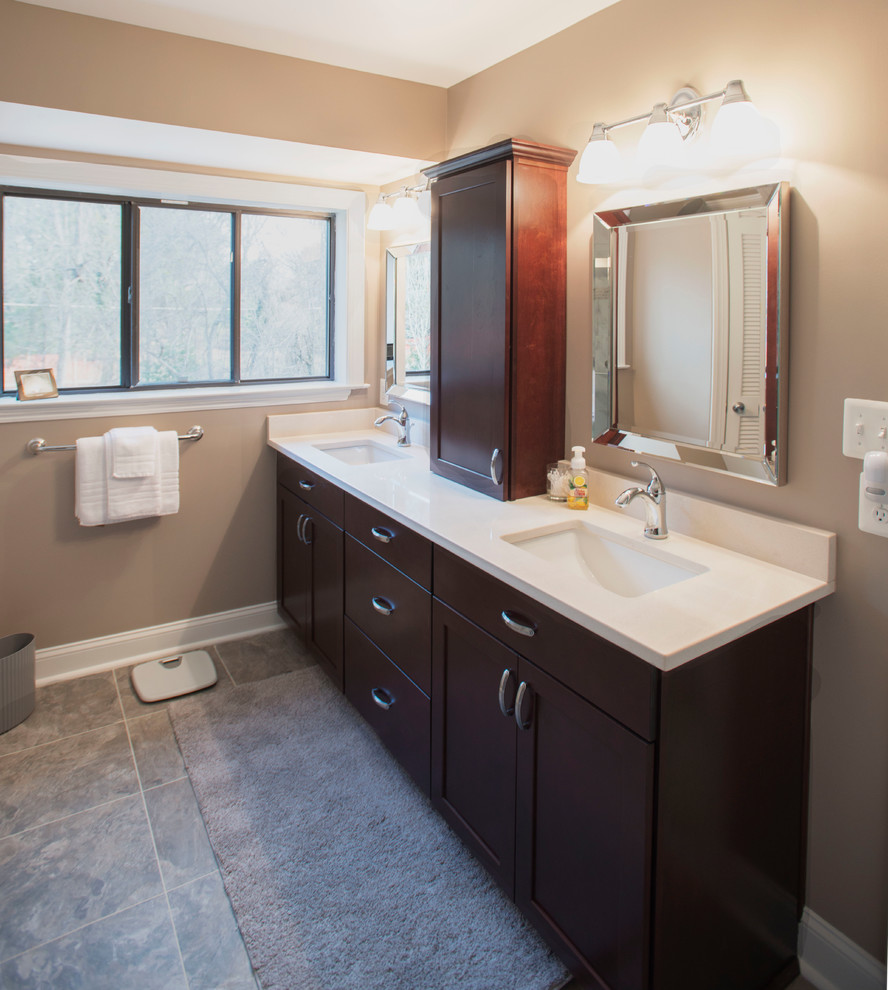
(689, 330)
(408, 321)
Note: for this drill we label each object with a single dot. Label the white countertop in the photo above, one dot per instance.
(783, 567)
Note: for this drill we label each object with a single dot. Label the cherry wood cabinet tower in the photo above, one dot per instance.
(499, 229)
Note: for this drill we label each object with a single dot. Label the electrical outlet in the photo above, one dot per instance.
(865, 427)
(872, 516)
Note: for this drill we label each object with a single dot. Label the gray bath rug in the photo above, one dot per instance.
(341, 875)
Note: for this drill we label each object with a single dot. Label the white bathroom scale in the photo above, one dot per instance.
(158, 680)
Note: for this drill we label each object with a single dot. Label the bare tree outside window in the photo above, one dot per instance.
(62, 290)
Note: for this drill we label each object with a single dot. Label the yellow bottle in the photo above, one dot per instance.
(578, 487)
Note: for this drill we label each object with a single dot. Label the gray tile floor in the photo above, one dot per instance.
(108, 879)
(107, 875)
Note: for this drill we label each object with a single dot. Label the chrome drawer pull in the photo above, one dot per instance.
(504, 680)
(522, 628)
(306, 486)
(519, 703)
(383, 535)
(299, 523)
(495, 465)
(381, 605)
(382, 698)
(305, 531)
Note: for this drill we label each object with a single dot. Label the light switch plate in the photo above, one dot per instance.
(865, 427)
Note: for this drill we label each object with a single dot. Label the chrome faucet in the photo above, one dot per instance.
(403, 421)
(654, 499)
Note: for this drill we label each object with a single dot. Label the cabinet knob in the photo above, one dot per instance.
(382, 698)
(739, 408)
(381, 605)
(496, 467)
(519, 706)
(383, 535)
(507, 710)
(306, 486)
(516, 625)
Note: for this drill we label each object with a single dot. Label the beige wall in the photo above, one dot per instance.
(50, 58)
(814, 68)
(811, 67)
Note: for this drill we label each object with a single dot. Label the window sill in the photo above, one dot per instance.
(173, 400)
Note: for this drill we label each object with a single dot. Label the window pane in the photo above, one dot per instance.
(61, 290)
(417, 311)
(284, 312)
(184, 296)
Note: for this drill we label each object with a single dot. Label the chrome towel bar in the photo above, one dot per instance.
(38, 444)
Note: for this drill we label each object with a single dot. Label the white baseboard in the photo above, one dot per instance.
(831, 961)
(89, 656)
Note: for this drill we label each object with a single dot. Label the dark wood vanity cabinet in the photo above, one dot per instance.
(651, 824)
(310, 561)
(499, 222)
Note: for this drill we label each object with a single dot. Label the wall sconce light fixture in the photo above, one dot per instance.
(739, 130)
(412, 207)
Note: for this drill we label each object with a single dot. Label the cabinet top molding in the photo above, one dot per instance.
(528, 151)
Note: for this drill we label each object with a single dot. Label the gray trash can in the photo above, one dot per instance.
(16, 679)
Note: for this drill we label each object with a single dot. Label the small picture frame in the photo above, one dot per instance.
(38, 384)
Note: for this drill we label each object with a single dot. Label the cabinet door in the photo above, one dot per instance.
(470, 327)
(325, 543)
(473, 742)
(294, 562)
(583, 823)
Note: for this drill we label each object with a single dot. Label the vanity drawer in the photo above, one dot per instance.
(394, 542)
(395, 612)
(319, 493)
(617, 682)
(395, 707)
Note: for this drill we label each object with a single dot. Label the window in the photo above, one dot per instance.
(122, 294)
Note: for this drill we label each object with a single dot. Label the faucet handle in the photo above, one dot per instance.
(655, 485)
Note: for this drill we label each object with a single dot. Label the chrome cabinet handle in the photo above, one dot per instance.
(383, 535)
(306, 486)
(299, 523)
(504, 680)
(522, 628)
(739, 408)
(305, 531)
(381, 605)
(495, 466)
(382, 698)
(519, 704)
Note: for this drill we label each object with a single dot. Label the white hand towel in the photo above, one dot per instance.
(90, 482)
(133, 451)
(156, 495)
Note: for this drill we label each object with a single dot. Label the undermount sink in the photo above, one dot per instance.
(586, 553)
(361, 452)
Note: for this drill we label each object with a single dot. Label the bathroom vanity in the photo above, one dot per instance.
(626, 755)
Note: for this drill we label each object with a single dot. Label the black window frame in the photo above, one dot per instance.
(129, 295)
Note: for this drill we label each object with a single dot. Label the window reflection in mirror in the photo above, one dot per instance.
(408, 319)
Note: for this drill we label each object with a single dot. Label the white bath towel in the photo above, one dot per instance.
(101, 498)
(133, 451)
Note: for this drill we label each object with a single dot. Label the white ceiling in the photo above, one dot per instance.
(438, 43)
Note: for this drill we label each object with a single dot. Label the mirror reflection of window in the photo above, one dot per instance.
(408, 317)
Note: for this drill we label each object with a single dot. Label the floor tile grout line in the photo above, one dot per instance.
(166, 895)
(80, 928)
(52, 742)
(73, 814)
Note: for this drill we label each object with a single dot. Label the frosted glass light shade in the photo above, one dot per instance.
(406, 212)
(661, 145)
(739, 131)
(382, 217)
(600, 162)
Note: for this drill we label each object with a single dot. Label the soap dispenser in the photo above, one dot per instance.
(578, 490)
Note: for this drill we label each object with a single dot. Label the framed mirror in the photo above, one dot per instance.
(689, 330)
(408, 320)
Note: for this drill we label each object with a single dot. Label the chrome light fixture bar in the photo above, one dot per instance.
(737, 129)
(411, 207)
